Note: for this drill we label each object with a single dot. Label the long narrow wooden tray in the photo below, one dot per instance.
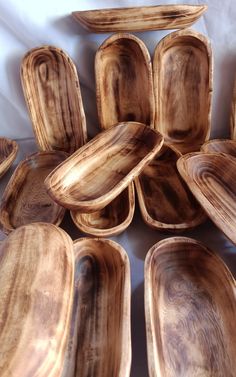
(158, 17)
(36, 279)
(190, 307)
(220, 146)
(100, 342)
(8, 152)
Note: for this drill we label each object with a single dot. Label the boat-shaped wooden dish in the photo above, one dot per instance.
(100, 342)
(36, 278)
(99, 171)
(158, 17)
(190, 308)
(183, 89)
(8, 152)
(212, 179)
(165, 201)
(52, 93)
(220, 146)
(233, 114)
(25, 199)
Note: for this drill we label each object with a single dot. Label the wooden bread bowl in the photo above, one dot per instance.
(220, 146)
(52, 93)
(8, 152)
(36, 278)
(190, 308)
(233, 114)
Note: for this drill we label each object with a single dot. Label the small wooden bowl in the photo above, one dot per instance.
(52, 93)
(182, 67)
(233, 114)
(36, 278)
(158, 17)
(100, 342)
(8, 152)
(190, 310)
(165, 201)
(212, 179)
(25, 199)
(99, 171)
(220, 146)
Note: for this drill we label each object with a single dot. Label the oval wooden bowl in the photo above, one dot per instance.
(220, 146)
(52, 93)
(100, 342)
(233, 114)
(190, 307)
(25, 199)
(8, 152)
(36, 278)
(159, 17)
(182, 67)
(212, 179)
(99, 171)
(165, 201)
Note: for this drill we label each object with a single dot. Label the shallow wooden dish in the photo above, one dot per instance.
(220, 146)
(233, 114)
(99, 171)
(8, 152)
(25, 199)
(165, 201)
(190, 307)
(36, 278)
(158, 17)
(52, 93)
(212, 179)
(182, 67)
(100, 342)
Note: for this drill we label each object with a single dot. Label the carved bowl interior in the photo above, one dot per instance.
(220, 146)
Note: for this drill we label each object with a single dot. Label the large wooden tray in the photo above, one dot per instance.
(190, 307)
(8, 152)
(220, 146)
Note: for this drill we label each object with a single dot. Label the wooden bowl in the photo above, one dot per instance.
(140, 18)
(100, 342)
(212, 179)
(25, 199)
(220, 146)
(165, 201)
(8, 152)
(233, 114)
(182, 67)
(52, 93)
(36, 278)
(99, 171)
(190, 309)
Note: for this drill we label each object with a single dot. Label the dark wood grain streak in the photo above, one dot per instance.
(8, 153)
(220, 146)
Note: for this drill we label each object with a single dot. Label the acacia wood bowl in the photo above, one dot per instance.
(190, 307)
(220, 146)
(8, 152)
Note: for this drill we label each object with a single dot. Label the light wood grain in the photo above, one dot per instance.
(220, 146)
(233, 114)
(158, 17)
(8, 152)
(52, 93)
(99, 171)
(182, 67)
(25, 199)
(190, 307)
(36, 279)
(100, 342)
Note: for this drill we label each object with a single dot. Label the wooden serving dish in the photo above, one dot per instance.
(182, 67)
(99, 171)
(25, 199)
(190, 307)
(52, 93)
(8, 152)
(220, 146)
(159, 17)
(100, 342)
(36, 278)
(233, 114)
(212, 179)
(165, 201)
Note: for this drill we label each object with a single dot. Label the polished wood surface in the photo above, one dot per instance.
(233, 114)
(36, 298)
(52, 93)
(100, 342)
(8, 152)
(190, 308)
(158, 17)
(212, 179)
(99, 171)
(220, 146)
(182, 68)
(25, 199)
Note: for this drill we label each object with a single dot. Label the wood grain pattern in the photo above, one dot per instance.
(220, 146)
(212, 179)
(52, 93)
(165, 201)
(190, 306)
(99, 171)
(8, 152)
(100, 341)
(36, 279)
(25, 199)
(182, 67)
(233, 114)
(159, 17)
